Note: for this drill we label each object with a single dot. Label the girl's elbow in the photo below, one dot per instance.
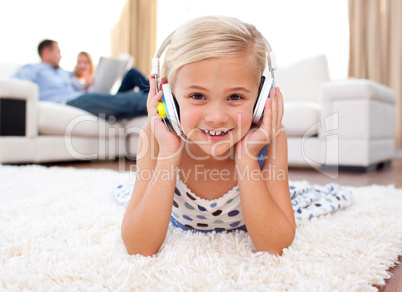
(280, 247)
(290, 239)
(288, 242)
(142, 252)
(274, 251)
(135, 248)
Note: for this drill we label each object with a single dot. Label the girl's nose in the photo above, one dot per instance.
(216, 115)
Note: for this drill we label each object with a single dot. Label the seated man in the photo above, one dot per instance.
(55, 84)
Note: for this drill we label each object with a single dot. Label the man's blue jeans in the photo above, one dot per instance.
(124, 105)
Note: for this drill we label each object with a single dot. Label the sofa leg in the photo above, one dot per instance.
(12, 117)
(370, 168)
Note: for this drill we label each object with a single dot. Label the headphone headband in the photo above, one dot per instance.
(272, 61)
(158, 54)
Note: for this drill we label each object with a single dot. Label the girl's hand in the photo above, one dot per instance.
(270, 128)
(169, 143)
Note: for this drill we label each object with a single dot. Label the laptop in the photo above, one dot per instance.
(108, 72)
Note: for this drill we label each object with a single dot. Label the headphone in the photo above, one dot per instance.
(169, 109)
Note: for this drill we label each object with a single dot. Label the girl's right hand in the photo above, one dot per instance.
(169, 143)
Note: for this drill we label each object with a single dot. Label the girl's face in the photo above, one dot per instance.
(216, 99)
(83, 66)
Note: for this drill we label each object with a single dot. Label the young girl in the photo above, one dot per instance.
(212, 180)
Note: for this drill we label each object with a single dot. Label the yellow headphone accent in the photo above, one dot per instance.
(161, 110)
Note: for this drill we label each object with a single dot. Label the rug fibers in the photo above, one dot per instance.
(60, 231)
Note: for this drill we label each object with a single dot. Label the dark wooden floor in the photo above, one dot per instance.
(388, 174)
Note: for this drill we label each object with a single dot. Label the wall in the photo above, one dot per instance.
(78, 25)
(295, 29)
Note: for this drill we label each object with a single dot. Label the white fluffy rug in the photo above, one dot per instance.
(60, 231)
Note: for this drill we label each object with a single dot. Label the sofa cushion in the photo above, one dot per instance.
(302, 80)
(135, 125)
(301, 118)
(58, 119)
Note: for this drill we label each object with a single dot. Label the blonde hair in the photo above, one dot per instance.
(214, 37)
(91, 63)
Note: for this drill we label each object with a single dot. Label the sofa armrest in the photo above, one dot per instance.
(20, 92)
(358, 109)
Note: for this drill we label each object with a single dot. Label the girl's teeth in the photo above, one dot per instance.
(215, 133)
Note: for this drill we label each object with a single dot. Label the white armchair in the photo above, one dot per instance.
(346, 123)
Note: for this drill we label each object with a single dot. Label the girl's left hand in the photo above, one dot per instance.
(270, 128)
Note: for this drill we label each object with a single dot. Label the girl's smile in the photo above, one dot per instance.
(216, 134)
(216, 99)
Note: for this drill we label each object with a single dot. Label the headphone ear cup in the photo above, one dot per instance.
(172, 108)
(267, 83)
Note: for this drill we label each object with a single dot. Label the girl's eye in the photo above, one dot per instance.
(197, 96)
(235, 97)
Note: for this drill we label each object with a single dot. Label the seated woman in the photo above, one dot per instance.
(84, 70)
(82, 77)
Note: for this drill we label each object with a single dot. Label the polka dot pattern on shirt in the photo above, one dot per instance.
(192, 212)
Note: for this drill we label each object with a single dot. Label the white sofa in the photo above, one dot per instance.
(55, 132)
(347, 123)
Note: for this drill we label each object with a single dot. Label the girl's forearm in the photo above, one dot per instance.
(144, 228)
(268, 224)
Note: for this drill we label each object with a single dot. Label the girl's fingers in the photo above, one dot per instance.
(280, 107)
(274, 109)
(268, 107)
(153, 98)
(153, 103)
(152, 88)
(268, 117)
(152, 83)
